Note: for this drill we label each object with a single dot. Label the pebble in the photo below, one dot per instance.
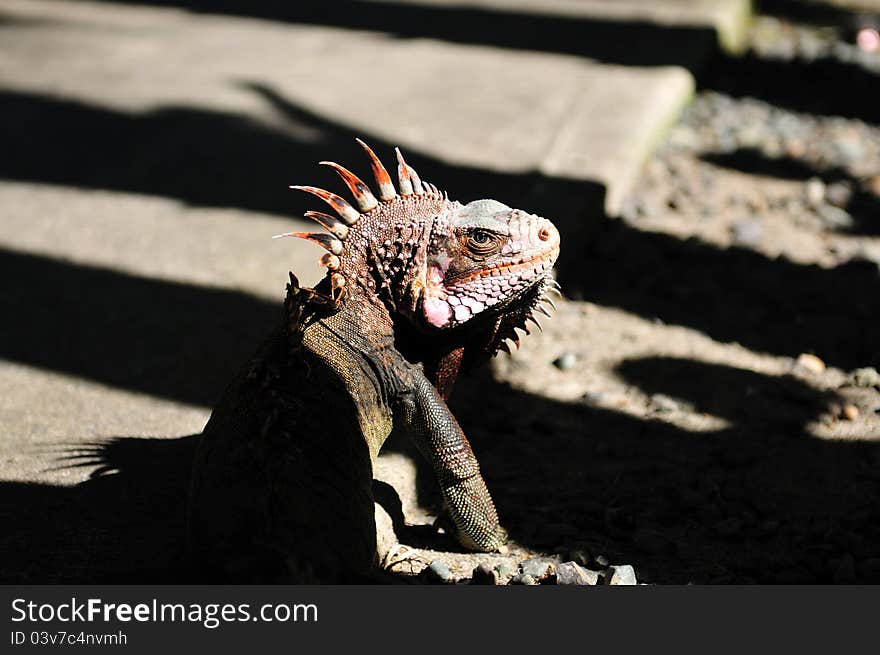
(835, 217)
(566, 361)
(538, 567)
(570, 573)
(505, 568)
(810, 363)
(438, 571)
(814, 192)
(747, 233)
(623, 574)
(850, 412)
(601, 561)
(484, 575)
(865, 378)
(838, 194)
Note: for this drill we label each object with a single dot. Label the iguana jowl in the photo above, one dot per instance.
(417, 287)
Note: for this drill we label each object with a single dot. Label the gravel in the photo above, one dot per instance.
(565, 361)
(866, 378)
(691, 416)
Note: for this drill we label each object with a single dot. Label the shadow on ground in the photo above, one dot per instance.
(760, 501)
(624, 42)
(180, 341)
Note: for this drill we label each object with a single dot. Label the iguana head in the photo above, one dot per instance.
(436, 263)
(483, 257)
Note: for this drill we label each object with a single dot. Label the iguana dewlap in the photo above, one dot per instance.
(417, 287)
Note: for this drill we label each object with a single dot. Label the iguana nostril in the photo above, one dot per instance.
(544, 234)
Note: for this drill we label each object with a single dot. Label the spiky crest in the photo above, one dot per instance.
(410, 184)
(339, 228)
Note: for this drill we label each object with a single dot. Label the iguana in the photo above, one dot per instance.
(418, 287)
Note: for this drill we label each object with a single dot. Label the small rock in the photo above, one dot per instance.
(835, 217)
(538, 567)
(810, 363)
(865, 378)
(484, 575)
(505, 568)
(873, 185)
(814, 192)
(838, 194)
(523, 578)
(664, 403)
(795, 149)
(438, 571)
(850, 412)
(601, 561)
(569, 573)
(622, 574)
(747, 234)
(850, 149)
(566, 361)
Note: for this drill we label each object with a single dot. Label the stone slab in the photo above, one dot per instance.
(131, 223)
(511, 111)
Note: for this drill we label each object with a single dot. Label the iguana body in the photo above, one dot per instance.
(417, 287)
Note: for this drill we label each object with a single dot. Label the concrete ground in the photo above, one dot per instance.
(146, 156)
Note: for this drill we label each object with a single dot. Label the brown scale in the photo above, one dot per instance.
(372, 213)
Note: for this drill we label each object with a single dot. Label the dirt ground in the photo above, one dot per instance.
(707, 411)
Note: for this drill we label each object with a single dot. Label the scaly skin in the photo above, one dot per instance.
(417, 287)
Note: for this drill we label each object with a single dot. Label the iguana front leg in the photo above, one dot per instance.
(438, 436)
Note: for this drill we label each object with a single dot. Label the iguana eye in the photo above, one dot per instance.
(482, 242)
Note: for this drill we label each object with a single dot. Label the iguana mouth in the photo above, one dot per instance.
(502, 270)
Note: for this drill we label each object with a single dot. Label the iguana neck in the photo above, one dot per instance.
(384, 262)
